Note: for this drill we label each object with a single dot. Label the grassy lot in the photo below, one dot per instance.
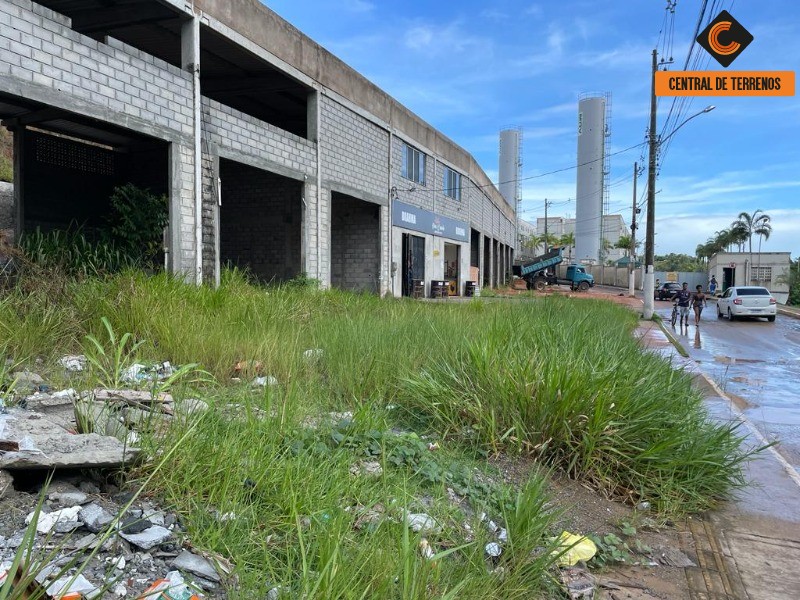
(271, 477)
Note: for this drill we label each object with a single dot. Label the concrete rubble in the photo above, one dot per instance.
(125, 545)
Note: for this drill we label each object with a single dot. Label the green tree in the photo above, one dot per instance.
(757, 223)
(568, 241)
(678, 262)
(624, 243)
(792, 279)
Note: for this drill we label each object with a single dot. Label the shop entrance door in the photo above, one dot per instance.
(413, 264)
(452, 264)
(728, 277)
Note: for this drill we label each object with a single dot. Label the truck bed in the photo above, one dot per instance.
(547, 260)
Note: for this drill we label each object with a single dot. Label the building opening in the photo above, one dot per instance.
(355, 244)
(452, 262)
(413, 265)
(260, 222)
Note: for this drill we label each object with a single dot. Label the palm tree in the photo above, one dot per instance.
(568, 240)
(763, 231)
(624, 243)
(532, 242)
(759, 220)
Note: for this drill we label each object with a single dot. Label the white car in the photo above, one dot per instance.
(747, 301)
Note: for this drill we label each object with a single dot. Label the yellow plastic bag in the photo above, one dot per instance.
(580, 547)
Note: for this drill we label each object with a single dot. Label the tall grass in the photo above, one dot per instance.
(558, 378)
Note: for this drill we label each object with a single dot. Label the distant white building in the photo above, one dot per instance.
(613, 228)
(767, 268)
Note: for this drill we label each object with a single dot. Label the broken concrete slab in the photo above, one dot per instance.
(55, 448)
(196, 565)
(132, 397)
(47, 522)
(149, 538)
(95, 517)
(69, 498)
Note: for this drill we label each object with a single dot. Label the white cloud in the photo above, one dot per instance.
(358, 6)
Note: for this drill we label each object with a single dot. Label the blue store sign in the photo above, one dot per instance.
(424, 221)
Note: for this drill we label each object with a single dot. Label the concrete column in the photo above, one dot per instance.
(190, 61)
(182, 250)
(492, 270)
(480, 260)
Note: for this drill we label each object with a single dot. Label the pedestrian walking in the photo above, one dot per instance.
(712, 286)
(698, 303)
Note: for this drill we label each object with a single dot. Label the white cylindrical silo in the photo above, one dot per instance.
(509, 165)
(589, 193)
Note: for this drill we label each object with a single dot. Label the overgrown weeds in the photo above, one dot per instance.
(560, 379)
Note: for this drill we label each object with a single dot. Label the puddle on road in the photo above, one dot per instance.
(732, 360)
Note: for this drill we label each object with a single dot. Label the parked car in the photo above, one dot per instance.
(667, 290)
(747, 301)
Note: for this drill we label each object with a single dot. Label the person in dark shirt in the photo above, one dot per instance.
(683, 298)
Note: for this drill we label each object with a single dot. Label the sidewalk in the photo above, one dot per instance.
(749, 548)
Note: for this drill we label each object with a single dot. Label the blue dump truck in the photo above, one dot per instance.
(541, 272)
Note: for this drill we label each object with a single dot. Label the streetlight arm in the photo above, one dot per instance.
(674, 131)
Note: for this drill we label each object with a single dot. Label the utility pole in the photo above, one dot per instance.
(649, 250)
(632, 257)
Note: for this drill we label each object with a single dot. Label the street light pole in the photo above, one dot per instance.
(655, 143)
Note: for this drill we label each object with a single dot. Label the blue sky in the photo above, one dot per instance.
(472, 68)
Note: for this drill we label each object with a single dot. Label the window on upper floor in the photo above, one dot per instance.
(413, 164)
(452, 183)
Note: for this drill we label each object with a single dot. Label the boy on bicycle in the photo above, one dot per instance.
(683, 298)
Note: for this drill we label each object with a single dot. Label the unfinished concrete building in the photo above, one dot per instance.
(273, 154)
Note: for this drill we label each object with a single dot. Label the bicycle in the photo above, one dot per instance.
(674, 317)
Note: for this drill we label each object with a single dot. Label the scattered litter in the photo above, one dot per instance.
(580, 548)
(266, 381)
(74, 363)
(502, 535)
(313, 354)
(73, 587)
(420, 522)
(171, 587)
(643, 506)
(433, 446)
(367, 468)
(493, 549)
(425, 549)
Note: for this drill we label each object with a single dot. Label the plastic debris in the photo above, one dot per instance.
(420, 522)
(74, 363)
(313, 354)
(71, 587)
(172, 587)
(266, 381)
(580, 548)
(493, 549)
(425, 548)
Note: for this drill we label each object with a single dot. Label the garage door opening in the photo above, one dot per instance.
(260, 222)
(355, 244)
(66, 183)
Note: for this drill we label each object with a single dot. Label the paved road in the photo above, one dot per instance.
(758, 363)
